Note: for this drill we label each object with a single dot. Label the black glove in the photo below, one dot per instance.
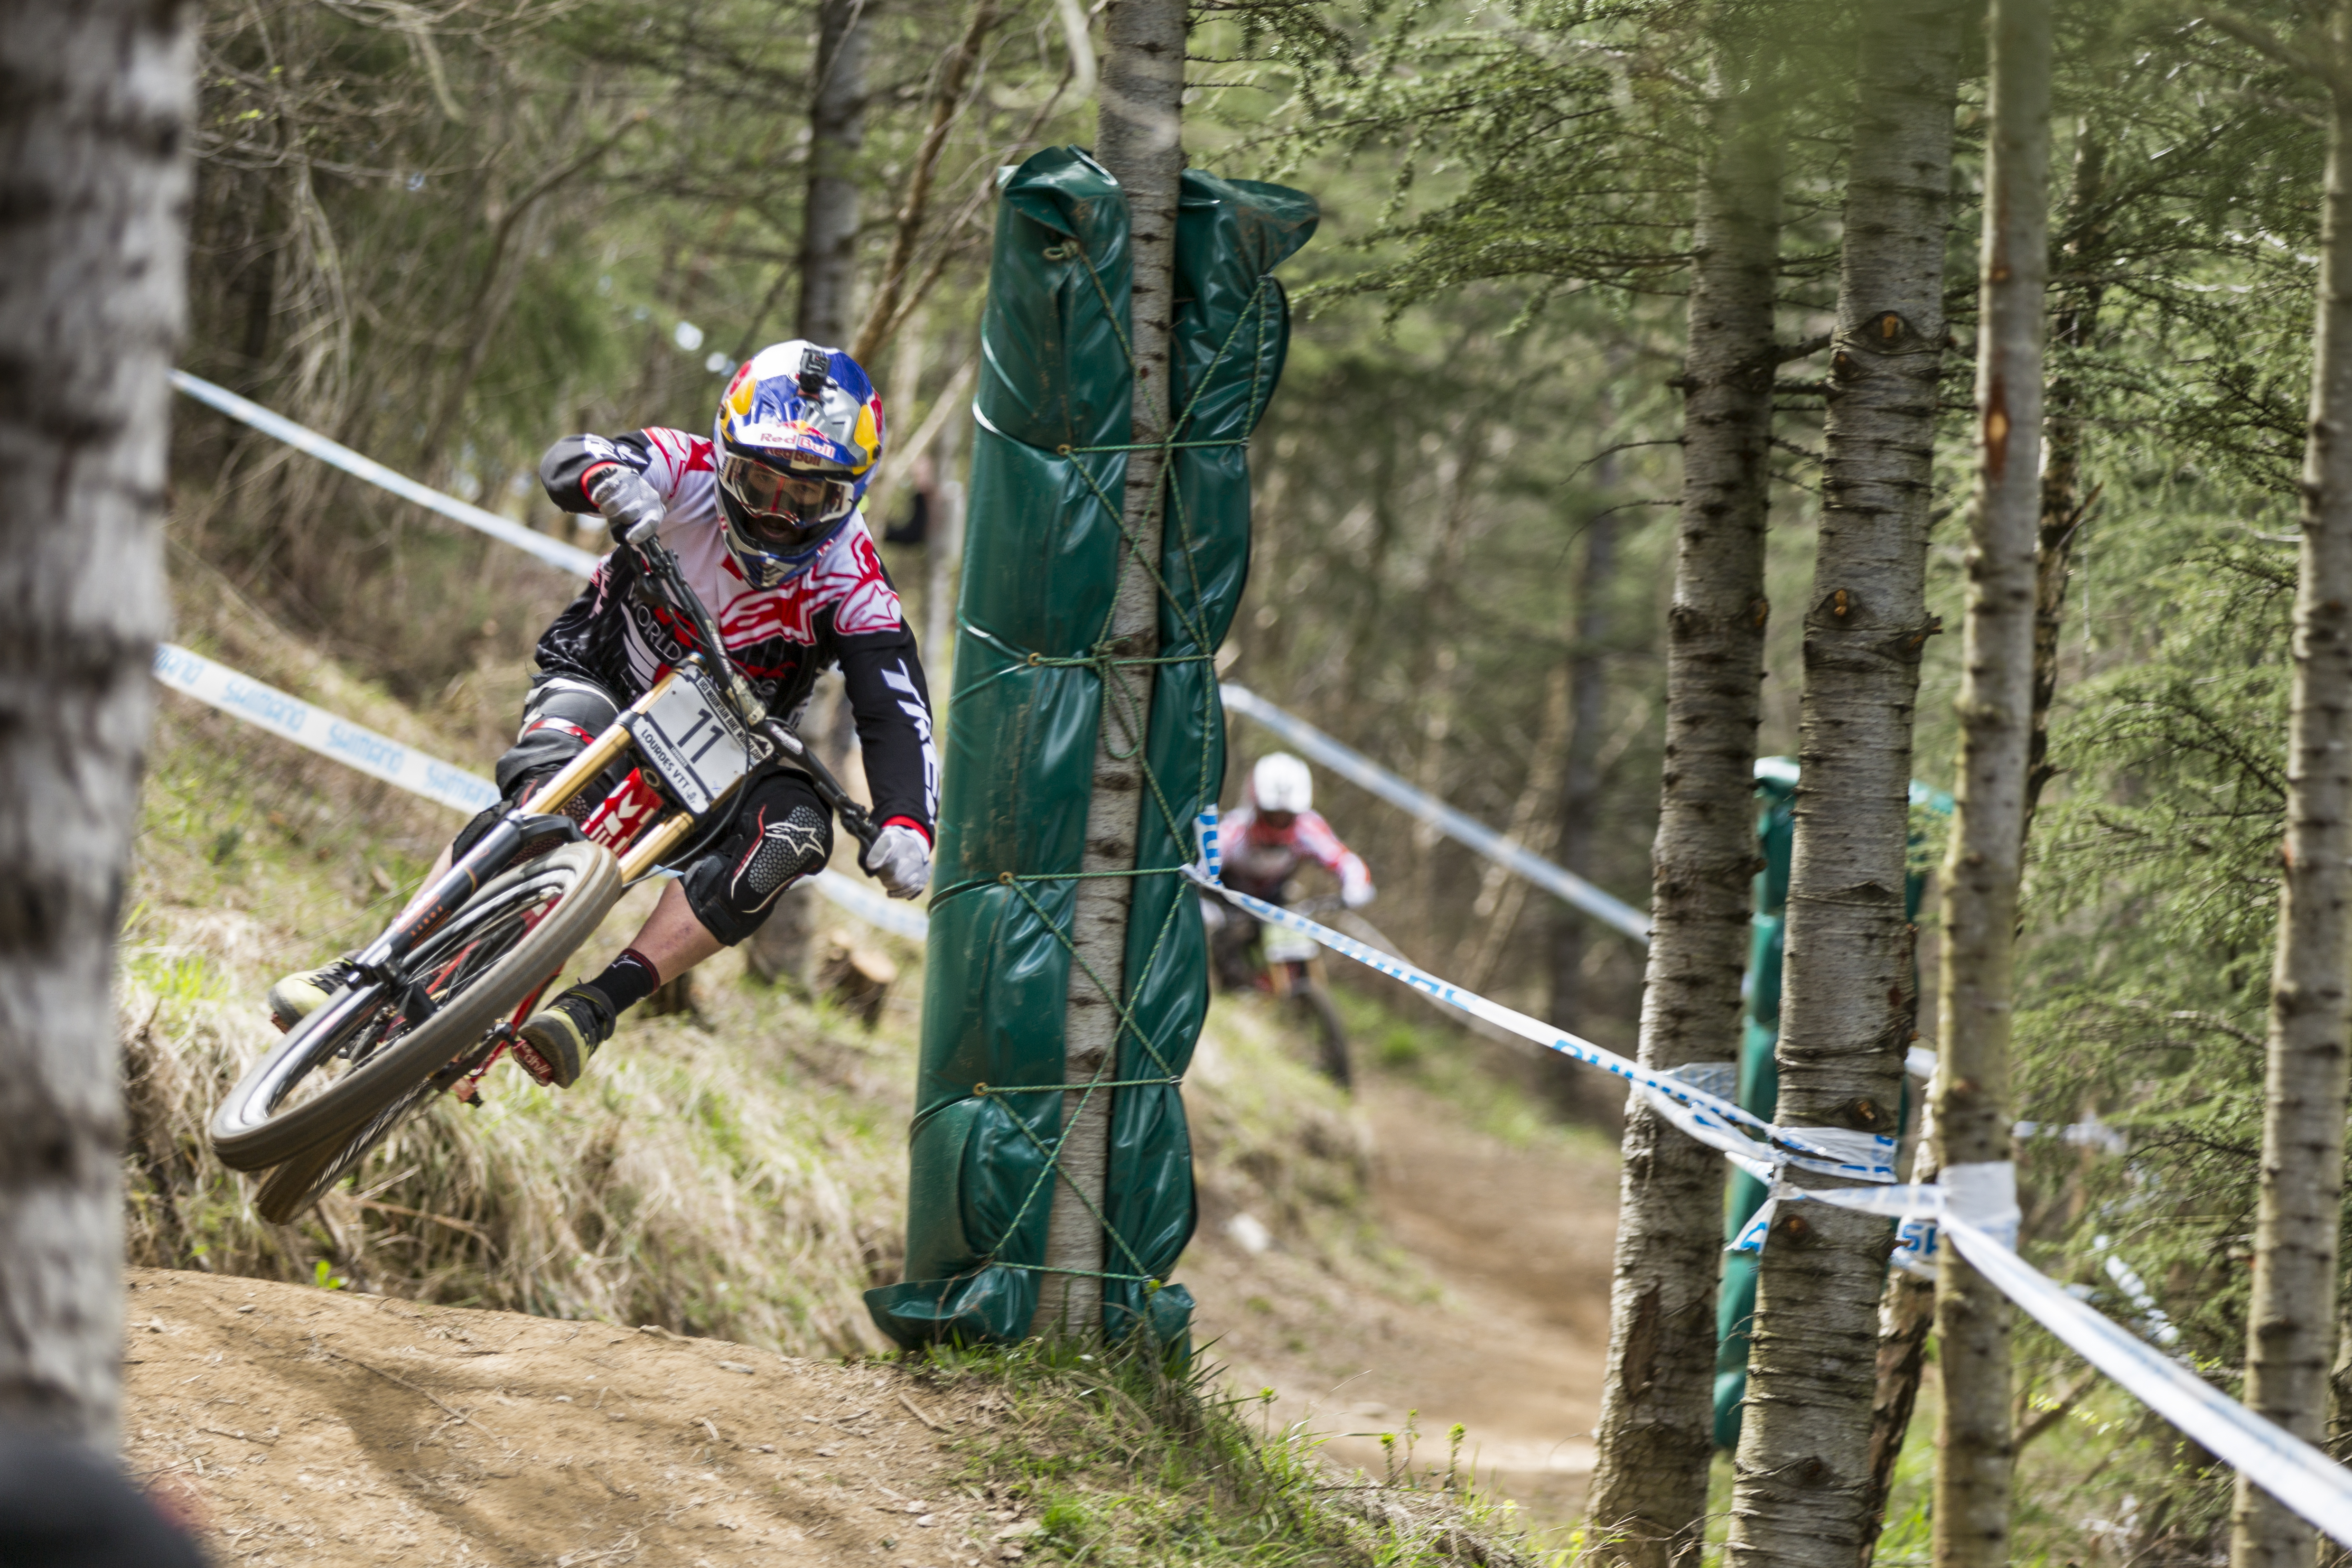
(633, 508)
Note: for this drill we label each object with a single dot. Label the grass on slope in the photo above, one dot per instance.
(1134, 1459)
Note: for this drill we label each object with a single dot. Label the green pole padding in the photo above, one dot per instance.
(1042, 553)
(1759, 1069)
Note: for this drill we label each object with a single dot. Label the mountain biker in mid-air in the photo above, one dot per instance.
(764, 518)
(1274, 832)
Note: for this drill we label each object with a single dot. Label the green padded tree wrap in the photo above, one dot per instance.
(1041, 557)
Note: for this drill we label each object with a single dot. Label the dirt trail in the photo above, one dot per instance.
(293, 1424)
(1513, 1344)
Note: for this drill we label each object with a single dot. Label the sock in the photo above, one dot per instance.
(627, 981)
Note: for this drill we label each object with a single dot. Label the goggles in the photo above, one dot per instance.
(785, 509)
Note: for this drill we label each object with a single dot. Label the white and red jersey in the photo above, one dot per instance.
(1259, 858)
(841, 610)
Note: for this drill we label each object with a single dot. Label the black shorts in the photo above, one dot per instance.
(782, 831)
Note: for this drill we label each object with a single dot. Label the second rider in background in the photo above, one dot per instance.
(762, 515)
(1274, 832)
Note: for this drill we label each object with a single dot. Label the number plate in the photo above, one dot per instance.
(1285, 946)
(695, 741)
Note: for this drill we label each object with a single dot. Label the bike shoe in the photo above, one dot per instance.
(558, 1039)
(297, 996)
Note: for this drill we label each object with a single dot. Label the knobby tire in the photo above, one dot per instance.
(254, 1129)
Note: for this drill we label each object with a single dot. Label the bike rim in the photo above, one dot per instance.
(361, 1022)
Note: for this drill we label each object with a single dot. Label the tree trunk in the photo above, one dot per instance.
(94, 176)
(2291, 1321)
(2078, 293)
(1138, 137)
(1986, 852)
(1579, 783)
(1589, 1098)
(1802, 1489)
(1648, 1500)
(1908, 1311)
(836, 135)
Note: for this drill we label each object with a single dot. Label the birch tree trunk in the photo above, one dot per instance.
(836, 135)
(2291, 1323)
(1138, 140)
(1801, 1494)
(1986, 852)
(1648, 1501)
(95, 183)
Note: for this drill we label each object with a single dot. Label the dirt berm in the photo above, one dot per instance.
(291, 1425)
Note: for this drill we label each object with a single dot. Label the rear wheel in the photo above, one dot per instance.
(349, 1072)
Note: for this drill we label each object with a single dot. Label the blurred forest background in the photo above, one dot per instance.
(445, 232)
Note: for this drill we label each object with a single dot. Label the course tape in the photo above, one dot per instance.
(1975, 1206)
(554, 551)
(1361, 770)
(380, 756)
(1709, 1118)
(1342, 759)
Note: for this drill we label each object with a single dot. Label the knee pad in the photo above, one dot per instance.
(732, 888)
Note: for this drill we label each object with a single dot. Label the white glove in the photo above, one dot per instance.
(633, 508)
(899, 861)
(1356, 894)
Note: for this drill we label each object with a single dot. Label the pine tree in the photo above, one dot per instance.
(1656, 1436)
(2291, 1320)
(836, 135)
(1985, 859)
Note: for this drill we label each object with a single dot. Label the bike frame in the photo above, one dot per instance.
(640, 846)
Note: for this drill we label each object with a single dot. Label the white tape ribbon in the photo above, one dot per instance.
(2275, 1460)
(1714, 1121)
(554, 551)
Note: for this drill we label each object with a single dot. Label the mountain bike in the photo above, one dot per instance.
(428, 1007)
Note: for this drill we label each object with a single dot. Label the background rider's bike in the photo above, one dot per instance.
(428, 1006)
(1285, 964)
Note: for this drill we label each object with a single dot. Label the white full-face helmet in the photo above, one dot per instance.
(1281, 784)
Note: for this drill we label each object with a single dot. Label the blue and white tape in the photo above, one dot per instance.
(354, 745)
(1714, 1121)
(1974, 1205)
(380, 757)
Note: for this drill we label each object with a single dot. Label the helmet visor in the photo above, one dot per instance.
(784, 511)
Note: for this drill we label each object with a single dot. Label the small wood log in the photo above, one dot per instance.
(857, 978)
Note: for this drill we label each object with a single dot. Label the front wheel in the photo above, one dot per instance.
(349, 1072)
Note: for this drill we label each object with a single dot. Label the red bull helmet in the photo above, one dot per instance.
(796, 439)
